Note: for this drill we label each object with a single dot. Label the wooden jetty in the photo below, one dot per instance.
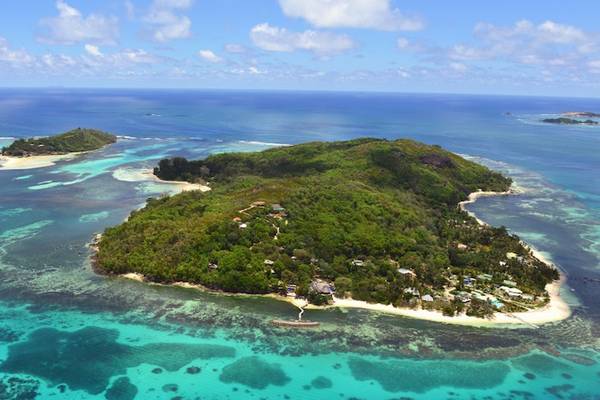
(294, 323)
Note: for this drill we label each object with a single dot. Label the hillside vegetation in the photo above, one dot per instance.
(357, 214)
(76, 140)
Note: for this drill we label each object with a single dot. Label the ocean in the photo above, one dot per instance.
(67, 333)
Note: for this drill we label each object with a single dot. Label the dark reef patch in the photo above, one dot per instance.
(558, 391)
(254, 372)
(193, 370)
(540, 364)
(529, 376)
(18, 388)
(579, 359)
(421, 376)
(170, 387)
(88, 358)
(7, 335)
(121, 389)
(321, 382)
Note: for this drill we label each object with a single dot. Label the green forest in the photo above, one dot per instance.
(75, 140)
(357, 214)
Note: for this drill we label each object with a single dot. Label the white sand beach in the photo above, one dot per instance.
(32, 162)
(146, 175)
(556, 310)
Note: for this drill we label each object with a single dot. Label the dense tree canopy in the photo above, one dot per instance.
(75, 140)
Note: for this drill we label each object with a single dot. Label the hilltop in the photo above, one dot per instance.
(369, 219)
(73, 141)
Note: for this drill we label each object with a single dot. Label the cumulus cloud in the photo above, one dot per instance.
(372, 14)
(11, 56)
(71, 27)
(93, 50)
(210, 56)
(272, 38)
(167, 21)
(548, 43)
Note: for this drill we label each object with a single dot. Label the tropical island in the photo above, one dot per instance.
(569, 121)
(363, 221)
(73, 141)
(45, 151)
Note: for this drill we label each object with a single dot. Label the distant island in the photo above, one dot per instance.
(74, 141)
(569, 121)
(333, 223)
(581, 114)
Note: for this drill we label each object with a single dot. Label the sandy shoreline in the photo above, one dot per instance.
(556, 309)
(32, 162)
(147, 175)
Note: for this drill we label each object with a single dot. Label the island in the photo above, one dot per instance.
(581, 114)
(73, 141)
(569, 121)
(366, 222)
(46, 151)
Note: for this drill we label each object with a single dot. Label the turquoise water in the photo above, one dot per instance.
(66, 332)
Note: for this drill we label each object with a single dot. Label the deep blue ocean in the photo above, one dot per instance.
(67, 333)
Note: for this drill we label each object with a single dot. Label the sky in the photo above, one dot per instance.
(545, 47)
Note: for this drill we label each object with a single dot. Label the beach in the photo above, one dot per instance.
(556, 309)
(32, 162)
(147, 175)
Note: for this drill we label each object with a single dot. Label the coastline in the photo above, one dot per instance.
(556, 309)
(9, 163)
(147, 175)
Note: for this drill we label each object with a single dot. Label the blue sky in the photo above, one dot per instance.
(460, 46)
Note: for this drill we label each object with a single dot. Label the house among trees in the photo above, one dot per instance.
(277, 208)
(404, 271)
(322, 287)
(511, 291)
(427, 298)
(358, 263)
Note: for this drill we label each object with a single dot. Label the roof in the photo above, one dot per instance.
(322, 287)
(427, 297)
(405, 271)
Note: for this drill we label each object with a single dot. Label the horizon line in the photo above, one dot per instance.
(286, 90)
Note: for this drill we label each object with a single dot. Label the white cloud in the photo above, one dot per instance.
(594, 66)
(167, 22)
(277, 39)
(93, 50)
(210, 56)
(548, 44)
(71, 27)
(11, 56)
(235, 48)
(373, 14)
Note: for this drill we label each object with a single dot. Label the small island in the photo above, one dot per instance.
(581, 114)
(74, 141)
(569, 121)
(46, 151)
(365, 223)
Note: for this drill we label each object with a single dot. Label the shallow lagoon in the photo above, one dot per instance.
(68, 333)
